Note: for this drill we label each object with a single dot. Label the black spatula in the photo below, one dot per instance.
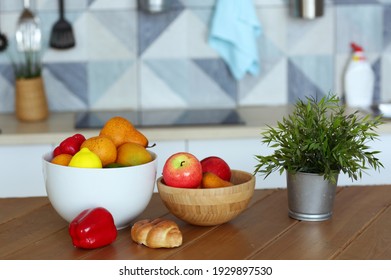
(3, 40)
(62, 34)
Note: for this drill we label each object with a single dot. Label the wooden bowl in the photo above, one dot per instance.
(209, 207)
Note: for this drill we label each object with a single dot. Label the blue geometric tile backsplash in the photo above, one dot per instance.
(128, 59)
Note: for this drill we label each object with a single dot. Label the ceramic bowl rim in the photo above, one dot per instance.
(46, 157)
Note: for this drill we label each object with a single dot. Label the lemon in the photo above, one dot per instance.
(85, 159)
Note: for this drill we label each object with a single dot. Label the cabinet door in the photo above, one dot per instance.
(371, 176)
(21, 170)
(21, 166)
(239, 154)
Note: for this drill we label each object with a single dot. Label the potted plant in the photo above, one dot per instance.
(30, 97)
(314, 144)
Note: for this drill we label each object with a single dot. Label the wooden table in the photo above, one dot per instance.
(359, 229)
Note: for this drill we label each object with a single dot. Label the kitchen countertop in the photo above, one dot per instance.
(360, 228)
(61, 125)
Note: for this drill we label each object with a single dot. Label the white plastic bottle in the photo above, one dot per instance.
(359, 80)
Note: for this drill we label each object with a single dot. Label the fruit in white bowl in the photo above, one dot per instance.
(125, 192)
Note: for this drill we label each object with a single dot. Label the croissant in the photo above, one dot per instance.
(158, 233)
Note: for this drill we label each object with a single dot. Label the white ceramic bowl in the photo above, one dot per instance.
(125, 191)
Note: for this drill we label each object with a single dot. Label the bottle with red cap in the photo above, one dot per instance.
(359, 80)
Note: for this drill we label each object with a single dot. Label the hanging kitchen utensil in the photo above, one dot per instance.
(3, 39)
(154, 6)
(3, 42)
(307, 9)
(62, 34)
(28, 33)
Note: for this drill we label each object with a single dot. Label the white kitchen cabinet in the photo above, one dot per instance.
(372, 177)
(21, 166)
(240, 154)
(21, 170)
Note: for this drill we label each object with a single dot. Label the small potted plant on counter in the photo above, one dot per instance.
(314, 144)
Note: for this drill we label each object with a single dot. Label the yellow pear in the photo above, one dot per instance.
(120, 131)
(211, 180)
(131, 154)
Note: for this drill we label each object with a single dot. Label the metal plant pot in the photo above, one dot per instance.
(310, 197)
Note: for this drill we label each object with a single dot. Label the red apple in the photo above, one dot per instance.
(217, 166)
(182, 170)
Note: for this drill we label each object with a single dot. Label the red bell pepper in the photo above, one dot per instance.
(93, 228)
(70, 145)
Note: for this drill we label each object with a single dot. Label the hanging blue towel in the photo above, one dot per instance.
(234, 31)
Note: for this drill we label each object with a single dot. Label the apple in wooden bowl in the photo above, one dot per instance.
(209, 206)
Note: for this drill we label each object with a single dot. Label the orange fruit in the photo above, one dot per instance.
(120, 131)
(103, 147)
(131, 154)
(62, 159)
(211, 180)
